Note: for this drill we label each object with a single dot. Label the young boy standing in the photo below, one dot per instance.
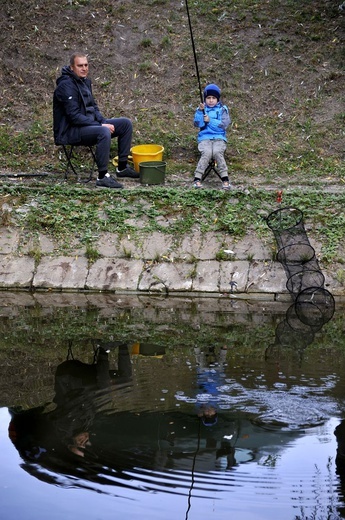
(212, 118)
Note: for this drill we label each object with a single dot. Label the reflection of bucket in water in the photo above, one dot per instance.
(146, 152)
(152, 172)
(148, 349)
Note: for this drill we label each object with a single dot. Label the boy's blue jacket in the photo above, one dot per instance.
(219, 121)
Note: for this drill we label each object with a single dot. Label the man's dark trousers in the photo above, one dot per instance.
(101, 137)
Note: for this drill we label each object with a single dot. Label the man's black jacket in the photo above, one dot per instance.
(72, 103)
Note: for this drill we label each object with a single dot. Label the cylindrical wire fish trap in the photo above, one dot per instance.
(285, 219)
(290, 336)
(313, 304)
(303, 279)
(296, 254)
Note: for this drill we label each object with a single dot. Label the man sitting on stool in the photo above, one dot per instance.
(78, 121)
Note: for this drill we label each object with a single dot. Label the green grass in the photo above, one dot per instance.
(276, 63)
(20, 150)
(67, 213)
(280, 65)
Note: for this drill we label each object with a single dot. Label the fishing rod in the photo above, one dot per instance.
(194, 52)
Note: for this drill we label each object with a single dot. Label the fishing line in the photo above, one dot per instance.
(193, 470)
(194, 52)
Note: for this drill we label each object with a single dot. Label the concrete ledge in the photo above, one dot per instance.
(16, 272)
(63, 272)
(167, 277)
(150, 264)
(111, 274)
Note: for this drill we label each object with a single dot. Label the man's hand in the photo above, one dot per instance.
(111, 127)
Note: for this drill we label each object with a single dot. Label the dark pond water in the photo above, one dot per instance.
(120, 407)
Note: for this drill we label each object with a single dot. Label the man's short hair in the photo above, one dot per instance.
(77, 55)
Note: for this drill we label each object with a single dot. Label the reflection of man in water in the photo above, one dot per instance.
(80, 442)
(78, 386)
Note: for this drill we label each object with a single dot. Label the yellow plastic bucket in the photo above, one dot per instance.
(115, 161)
(146, 152)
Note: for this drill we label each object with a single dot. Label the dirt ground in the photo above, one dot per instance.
(280, 65)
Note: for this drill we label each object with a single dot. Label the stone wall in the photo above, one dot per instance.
(153, 263)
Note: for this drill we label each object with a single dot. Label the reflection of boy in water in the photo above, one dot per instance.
(208, 414)
(210, 379)
(210, 376)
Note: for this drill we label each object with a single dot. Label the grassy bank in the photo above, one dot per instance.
(280, 65)
(69, 213)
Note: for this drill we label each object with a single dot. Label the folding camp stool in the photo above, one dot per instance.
(211, 167)
(69, 151)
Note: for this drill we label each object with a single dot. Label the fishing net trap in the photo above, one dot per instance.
(313, 305)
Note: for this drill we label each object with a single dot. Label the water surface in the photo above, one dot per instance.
(119, 407)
